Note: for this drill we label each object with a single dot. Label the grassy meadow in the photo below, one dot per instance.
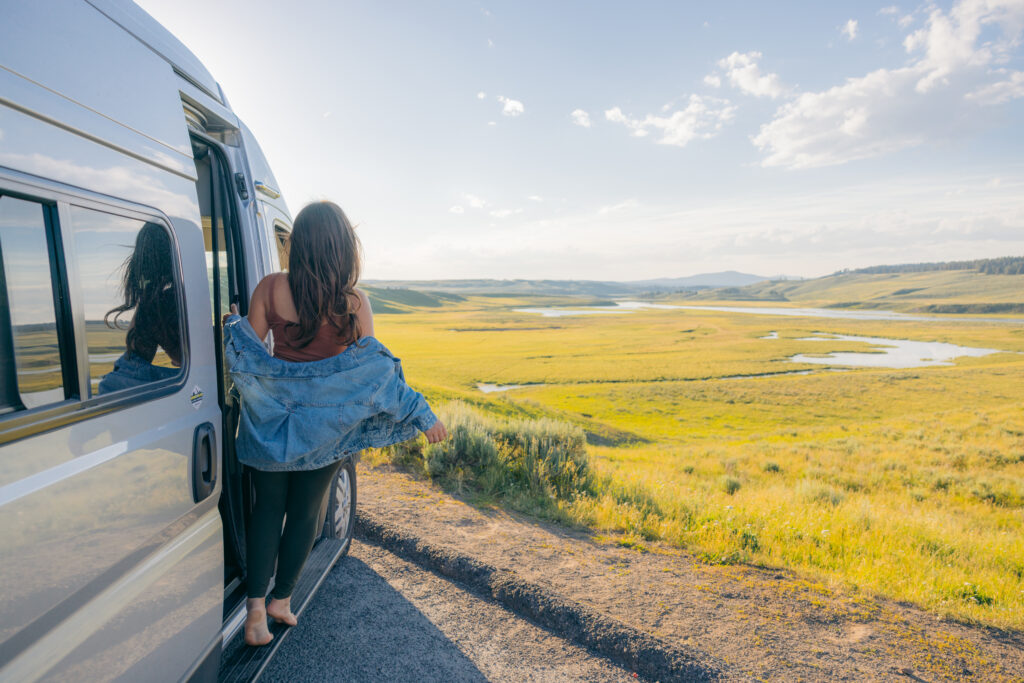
(907, 483)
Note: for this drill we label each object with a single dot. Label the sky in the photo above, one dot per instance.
(623, 141)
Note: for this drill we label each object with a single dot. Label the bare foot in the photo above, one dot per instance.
(281, 611)
(256, 631)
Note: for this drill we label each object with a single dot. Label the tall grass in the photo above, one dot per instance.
(536, 465)
(942, 536)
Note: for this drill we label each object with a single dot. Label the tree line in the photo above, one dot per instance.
(1007, 265)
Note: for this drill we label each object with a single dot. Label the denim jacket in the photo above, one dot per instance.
(131, 370)
(304, 416)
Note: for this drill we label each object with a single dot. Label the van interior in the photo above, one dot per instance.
(223, 266)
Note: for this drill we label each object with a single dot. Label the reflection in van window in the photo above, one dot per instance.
(30, 365)
(132, 322)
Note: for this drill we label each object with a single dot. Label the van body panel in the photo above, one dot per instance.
(135, 21)
(113, 568)
(31, 98)
(33, 146)
(99, 65)
(141, 620)
(261, 171)
(108, 580)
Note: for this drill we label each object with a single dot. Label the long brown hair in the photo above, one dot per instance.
(147, 287)
(323, 268)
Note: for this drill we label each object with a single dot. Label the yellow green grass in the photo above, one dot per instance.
(908, 483)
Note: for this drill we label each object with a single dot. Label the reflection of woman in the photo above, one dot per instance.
(316, 314)
(147, 287)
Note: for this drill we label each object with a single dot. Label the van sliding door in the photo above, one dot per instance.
(227, 286)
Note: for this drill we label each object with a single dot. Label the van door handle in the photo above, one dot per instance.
(204, 461)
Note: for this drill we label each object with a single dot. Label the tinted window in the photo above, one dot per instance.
(132, 322)
(283, 244)
(31, 372)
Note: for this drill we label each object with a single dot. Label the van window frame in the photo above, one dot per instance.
(57, 199)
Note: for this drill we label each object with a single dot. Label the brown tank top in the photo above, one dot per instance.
(324, 344)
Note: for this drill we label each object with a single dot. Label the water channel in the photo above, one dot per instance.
(883, 352)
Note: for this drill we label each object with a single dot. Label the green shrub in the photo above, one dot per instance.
(542, 460)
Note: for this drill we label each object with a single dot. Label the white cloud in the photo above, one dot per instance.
(858, 119)
(849, 29)
(535, 198)
(891, 109)
(931, 218)
(490, 43)
(580, 118)
(894, 11)
(474, 201)
(713, 80)
(621, 206)
(1000, 91)
(744, 73)
(481, 95)
(492, 123)
(950, 41)
(505, 213)
(456, 209)
(512, 107)
(703, 117)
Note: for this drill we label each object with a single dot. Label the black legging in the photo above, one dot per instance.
(299, 495)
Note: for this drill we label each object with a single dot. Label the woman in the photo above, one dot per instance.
(147, 288)
(315, 313)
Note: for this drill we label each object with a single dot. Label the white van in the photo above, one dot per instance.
(135, 207)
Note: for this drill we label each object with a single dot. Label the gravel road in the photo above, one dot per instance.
(380, 618)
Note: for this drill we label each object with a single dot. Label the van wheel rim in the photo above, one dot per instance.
(343, 497)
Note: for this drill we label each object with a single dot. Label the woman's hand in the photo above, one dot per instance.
(436, 433)
(234, 311)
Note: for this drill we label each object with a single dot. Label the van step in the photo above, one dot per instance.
(238, 661)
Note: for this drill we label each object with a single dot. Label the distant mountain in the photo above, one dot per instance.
(728, 278)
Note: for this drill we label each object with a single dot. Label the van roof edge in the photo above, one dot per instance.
(151, 33)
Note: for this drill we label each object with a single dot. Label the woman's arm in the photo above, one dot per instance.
(364, 314)
(258, 306)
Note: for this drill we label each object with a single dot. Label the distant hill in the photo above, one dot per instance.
(402, 300)
(598, 288)
(982, 286)
(1007, 265)
(728, 278)
(979, 286)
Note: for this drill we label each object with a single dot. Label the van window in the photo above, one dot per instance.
(283, 238)
(31, 373)
(130, 298)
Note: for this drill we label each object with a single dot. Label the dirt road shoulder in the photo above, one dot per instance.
(768, 624)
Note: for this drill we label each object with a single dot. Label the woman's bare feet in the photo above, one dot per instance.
(256, 631)
(281, 611)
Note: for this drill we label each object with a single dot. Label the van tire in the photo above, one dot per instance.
(341, 506)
